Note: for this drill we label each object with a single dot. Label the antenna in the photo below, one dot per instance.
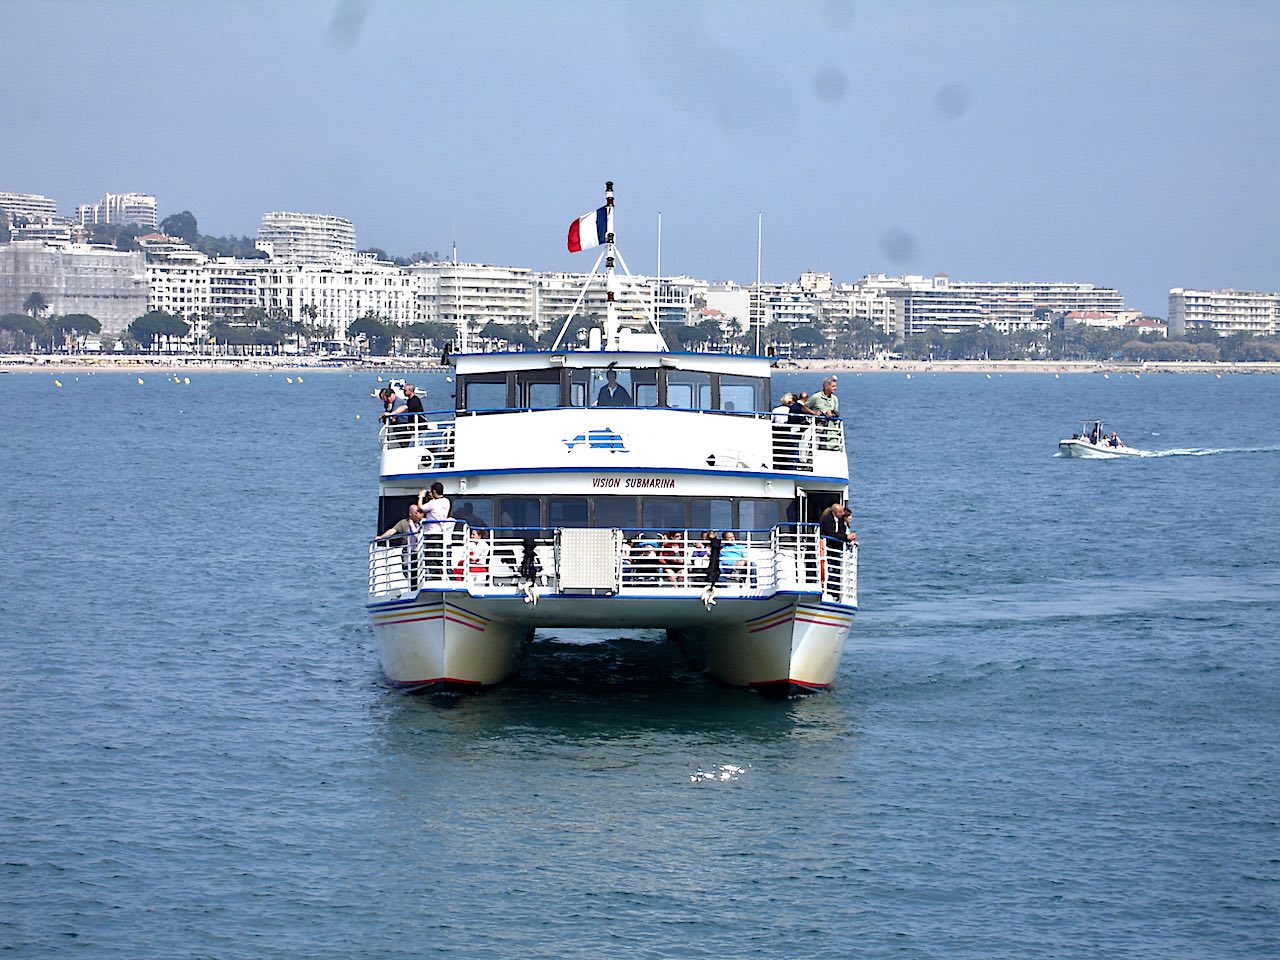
(759, 304)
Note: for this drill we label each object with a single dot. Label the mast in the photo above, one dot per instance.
(611, 337)
(759, 304)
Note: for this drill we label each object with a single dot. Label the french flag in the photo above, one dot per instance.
(588, 231)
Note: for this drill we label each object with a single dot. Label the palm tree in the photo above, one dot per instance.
(35, 304)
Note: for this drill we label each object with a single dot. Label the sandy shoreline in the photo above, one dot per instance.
(13, 364)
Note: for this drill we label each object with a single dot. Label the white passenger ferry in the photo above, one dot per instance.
(584, 486)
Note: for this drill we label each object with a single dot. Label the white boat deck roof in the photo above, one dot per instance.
(751, 366)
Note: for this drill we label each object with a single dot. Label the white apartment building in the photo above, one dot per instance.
(340, 293)
(120, 208)
(306, 237)
(1224, 311)
(476, 292)
(952, 306)
(15, 207)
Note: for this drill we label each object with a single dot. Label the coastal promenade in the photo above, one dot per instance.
(174, 362)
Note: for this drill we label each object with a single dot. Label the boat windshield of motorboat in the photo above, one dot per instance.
(1095, 441)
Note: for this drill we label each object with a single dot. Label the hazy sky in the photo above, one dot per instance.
(1126, 144)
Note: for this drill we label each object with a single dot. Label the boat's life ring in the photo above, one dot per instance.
(426, 460)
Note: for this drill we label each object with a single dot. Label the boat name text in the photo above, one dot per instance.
(634, 483)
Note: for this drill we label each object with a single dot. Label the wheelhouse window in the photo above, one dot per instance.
(538, 389)
(741, 394)
(688, 390)
(485, 391)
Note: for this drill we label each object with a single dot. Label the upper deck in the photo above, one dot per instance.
(595, 414)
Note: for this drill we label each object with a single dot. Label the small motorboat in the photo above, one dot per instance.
(1094, 442)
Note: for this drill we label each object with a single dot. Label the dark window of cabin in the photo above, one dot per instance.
(664, 513)
(688, 390)
(523, 514)
(538, 389)
(474, 511)
(617, 512)
(741, 394)
(484, 391)
(761, 514)
(606, 393)
(566, 511)
(644, 387)
(710, 514)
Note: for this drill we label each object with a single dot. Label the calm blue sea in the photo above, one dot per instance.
(1056, 731)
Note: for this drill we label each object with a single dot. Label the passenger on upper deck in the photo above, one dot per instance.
(826, 405)
(412, 405)
(613, 394)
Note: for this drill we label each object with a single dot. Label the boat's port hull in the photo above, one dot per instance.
(780, 645)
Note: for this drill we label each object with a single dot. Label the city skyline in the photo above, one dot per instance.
(1124, 146)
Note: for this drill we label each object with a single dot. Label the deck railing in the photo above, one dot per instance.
(754, 563)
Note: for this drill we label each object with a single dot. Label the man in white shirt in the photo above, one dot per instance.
(435, 525)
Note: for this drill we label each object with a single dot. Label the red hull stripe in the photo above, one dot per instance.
(463, 623)
(795, 683)
(423, 683)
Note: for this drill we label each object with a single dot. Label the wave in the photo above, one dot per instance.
(1175, 452)
(1206, 451)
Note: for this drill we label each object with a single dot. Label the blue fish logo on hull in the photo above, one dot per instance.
(604, 439)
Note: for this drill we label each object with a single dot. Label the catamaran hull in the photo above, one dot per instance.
(434, 644)
(780, 646)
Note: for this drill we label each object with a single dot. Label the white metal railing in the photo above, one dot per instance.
(430, 434)
(752, 563)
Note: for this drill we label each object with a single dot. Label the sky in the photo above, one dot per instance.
(1132, 145)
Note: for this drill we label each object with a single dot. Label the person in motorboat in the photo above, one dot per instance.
(1114, 441)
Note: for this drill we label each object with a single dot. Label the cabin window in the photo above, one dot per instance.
(741, 394)
(611, 387)
(664, 513)
(485, 391)
(688, 390)
(473, 511)
(761, 514)
(567, 511)
(524, 514)
(711, 514)
(538, 389)
(617, 512)
(644, 387)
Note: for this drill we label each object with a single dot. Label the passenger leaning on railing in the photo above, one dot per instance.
(406, 412)
(833, 524)
(410, 530)
(436, 525)
(826, 405)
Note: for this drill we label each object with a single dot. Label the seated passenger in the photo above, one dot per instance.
(1115, 441)
(671, 557)
(613, 394)
(733, 557)
(477, 555)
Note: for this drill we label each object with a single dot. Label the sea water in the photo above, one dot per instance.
(1054, 731)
